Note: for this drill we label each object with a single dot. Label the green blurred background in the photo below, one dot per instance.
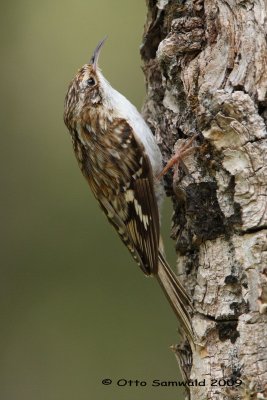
(74, 307)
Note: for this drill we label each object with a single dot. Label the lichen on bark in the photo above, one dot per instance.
(205, 64)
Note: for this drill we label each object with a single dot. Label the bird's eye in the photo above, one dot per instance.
(90, 82)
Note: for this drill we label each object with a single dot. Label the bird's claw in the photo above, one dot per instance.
(179, 155)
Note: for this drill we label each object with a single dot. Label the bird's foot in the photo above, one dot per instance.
(184, 150)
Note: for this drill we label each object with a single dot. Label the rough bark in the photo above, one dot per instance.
(205, 64)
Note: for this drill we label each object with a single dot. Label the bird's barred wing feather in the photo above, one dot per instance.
(125, 189)
(138, 209)
(120, 227)
(143, 219)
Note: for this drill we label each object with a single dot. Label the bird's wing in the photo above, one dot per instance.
(143, 220)
(138, 210)
(125, 190)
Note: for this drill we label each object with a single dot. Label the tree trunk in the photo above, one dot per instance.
(205, 64)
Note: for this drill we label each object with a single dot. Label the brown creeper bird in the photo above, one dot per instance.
(121, 161)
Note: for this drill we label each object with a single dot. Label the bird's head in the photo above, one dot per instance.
(86, 88)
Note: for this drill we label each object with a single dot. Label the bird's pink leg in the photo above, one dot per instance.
(178, 156)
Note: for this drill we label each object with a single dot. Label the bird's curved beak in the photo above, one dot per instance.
(96, 53)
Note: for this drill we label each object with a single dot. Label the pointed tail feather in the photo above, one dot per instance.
(176, 295)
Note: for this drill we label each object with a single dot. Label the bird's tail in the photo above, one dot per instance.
(176, 295)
